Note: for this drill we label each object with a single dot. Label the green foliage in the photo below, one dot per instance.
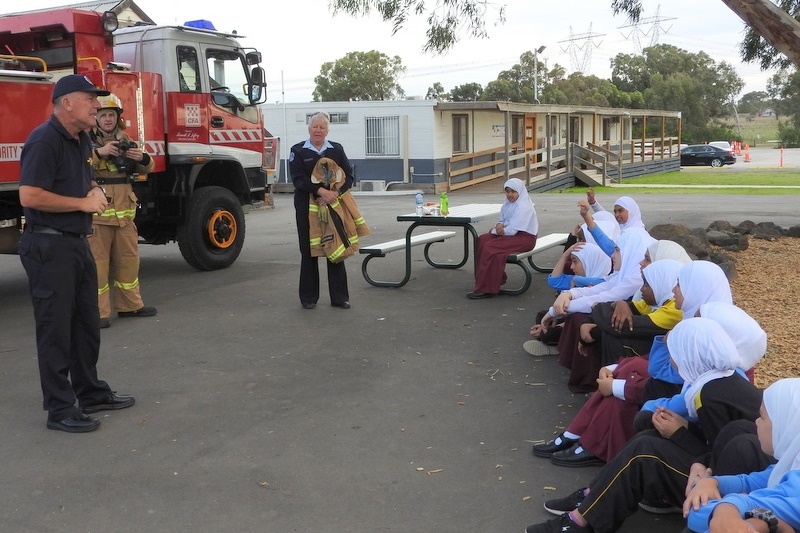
(789, 136)
(447, 19)
(437, 92)
(360, 76)
(468, 92)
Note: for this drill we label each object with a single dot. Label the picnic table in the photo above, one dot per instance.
(463, 216)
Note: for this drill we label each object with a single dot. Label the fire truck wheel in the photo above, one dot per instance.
(213, 234)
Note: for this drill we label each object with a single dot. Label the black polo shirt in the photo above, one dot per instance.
(54, 160)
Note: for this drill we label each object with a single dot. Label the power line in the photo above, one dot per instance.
(654, 30)
(586, 45)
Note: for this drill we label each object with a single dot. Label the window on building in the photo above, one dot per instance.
(382, 136)
(460, 133)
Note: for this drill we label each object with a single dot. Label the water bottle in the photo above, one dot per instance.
(419, 204)
(443, 207)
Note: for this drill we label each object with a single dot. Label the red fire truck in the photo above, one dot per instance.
(190, 96)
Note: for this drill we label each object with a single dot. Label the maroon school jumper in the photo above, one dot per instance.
(492, 250)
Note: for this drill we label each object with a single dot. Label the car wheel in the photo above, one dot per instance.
(716, 163)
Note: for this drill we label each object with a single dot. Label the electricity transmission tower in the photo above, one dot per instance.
(582, 42)
(646, 27)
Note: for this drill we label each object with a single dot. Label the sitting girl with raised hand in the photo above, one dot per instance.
(605, 422)
(626, 211)
(759, 501)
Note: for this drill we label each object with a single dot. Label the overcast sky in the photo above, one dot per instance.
(297, 36)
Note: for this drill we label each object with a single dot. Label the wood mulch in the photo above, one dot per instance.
(768, 288)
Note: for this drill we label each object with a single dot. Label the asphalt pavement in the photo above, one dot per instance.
(414, 411)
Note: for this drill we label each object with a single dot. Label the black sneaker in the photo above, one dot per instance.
(560, 506)
(562, 524)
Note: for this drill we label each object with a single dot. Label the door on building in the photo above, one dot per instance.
(530, 134)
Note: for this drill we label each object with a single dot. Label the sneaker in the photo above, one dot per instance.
(569, 503)
(660, 508)
(562, 524)
(105, 323)
(535, 347)
(141, 312)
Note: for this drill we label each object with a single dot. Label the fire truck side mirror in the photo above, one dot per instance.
(253, 58)
(257, 85)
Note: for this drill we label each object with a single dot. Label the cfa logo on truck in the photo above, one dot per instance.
(192, 114)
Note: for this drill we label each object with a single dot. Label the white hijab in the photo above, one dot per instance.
(662, 275)
(702, 282)
(609, 227)
(596, 264)
(782, 402)
(621, 285)
(634, 214)
(703, 352)
(748, 337)
(664, 249)
(519, 215)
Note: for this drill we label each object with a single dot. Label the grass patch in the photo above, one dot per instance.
(708, 181)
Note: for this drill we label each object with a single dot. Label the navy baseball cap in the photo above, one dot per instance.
(74, 83)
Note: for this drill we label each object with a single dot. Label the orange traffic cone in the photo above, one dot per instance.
(746, 153)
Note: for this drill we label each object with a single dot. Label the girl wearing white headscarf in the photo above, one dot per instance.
(653, 314)
(700, 282)
(620, 286)
(514, 232)
(589, 263)
(601, 228)
(626, 211)
(734, 499)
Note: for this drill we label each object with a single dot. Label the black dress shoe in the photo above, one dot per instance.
(549, 448)
(111, 402)
(105, 323)
(309, 306)
(343, 305)
(572, 459)
(77, 423)
(141, 312)
(478, 295)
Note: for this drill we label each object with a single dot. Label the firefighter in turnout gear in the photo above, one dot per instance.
(114, 242)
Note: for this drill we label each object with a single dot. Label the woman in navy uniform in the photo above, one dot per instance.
(302, 159)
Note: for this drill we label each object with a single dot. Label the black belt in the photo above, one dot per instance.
(112, 181)
(50, 231)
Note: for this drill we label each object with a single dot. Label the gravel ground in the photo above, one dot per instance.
(767, 287)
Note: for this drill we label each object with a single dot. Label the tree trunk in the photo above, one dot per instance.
(772, 23)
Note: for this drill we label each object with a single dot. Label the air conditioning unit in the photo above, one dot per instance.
(372, 185)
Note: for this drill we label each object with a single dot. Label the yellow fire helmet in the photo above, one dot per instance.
(112, 102)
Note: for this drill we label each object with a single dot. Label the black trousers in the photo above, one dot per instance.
(309, 266)
(649, 467)
(62, 279)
